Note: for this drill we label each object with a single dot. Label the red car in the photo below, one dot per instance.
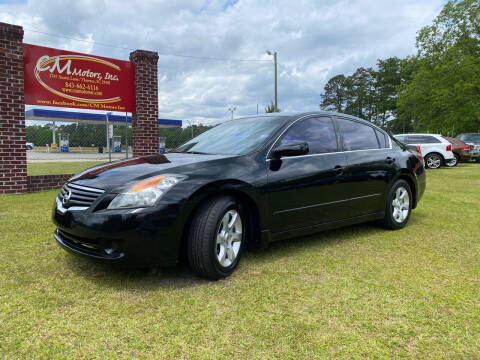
(461, 151)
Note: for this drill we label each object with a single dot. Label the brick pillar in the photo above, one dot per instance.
(13, 152)
(145, 117)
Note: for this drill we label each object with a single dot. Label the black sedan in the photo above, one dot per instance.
(241, 184)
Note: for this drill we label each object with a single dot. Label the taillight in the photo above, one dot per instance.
(466, 147)
(418, 148)
(449, 147)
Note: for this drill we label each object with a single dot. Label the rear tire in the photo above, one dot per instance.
(216, 238)
(399, 206)
(453, 162)
(433, 161)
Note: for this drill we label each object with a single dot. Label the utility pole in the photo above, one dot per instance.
(108, 140)
(191, 128)
(232, 109)
(54, 127)
(276, 84)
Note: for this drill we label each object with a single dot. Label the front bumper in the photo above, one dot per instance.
(128, 237)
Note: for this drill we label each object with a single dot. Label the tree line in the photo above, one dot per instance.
(435, 90)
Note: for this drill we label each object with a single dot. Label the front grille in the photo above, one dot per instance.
(79, 195)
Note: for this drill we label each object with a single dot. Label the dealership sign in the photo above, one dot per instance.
(67, 79)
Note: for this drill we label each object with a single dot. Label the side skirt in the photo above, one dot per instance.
(325, 226)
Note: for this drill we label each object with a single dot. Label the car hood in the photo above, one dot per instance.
(119, 175)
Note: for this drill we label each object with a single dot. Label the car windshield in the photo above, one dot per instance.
(235, 137)
(470, 137)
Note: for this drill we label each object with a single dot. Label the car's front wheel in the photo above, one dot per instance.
(433, 161)
(216, 238)
(399, 205)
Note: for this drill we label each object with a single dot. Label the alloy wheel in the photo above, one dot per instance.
(400, 205)
(453, 162)
(434, 161)
(229, 238)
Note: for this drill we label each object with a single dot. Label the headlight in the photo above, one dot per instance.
(145, 193)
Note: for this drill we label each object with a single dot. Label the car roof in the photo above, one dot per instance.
(295, 115)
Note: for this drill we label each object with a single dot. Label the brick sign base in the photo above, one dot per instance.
(46, 182)
(13, 152)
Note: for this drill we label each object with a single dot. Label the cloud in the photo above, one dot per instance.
(314, 40)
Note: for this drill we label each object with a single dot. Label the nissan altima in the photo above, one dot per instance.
(241, 184)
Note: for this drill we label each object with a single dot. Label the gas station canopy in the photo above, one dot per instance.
(74, 116)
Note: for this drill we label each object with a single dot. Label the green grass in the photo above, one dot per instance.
(355, 293)
(56, 168)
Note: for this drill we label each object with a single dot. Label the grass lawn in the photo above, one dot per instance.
(56, 168)
(358, 292)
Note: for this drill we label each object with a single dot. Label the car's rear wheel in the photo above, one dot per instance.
(216, 238)
(399, 205)
(454, 161)
(433, 161)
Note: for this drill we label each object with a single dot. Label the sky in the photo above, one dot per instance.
(315, 40)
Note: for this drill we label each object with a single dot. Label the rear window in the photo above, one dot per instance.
(452, 141)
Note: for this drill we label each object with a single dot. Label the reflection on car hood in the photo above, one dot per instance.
(123, 173)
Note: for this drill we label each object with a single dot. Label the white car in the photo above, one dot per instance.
(435, 149)
(30, 146)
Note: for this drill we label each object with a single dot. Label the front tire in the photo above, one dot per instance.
(433, 161)
(399, 206)
(454, 161)
(216, 238)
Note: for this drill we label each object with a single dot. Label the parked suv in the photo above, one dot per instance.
(461, 151)
(436, 150)
(474, 140)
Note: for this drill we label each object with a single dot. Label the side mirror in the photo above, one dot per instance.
(294, 148)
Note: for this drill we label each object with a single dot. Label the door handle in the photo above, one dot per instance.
(338, 170)
(389, 160)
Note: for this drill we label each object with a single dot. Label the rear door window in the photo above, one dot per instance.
(357, 136)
